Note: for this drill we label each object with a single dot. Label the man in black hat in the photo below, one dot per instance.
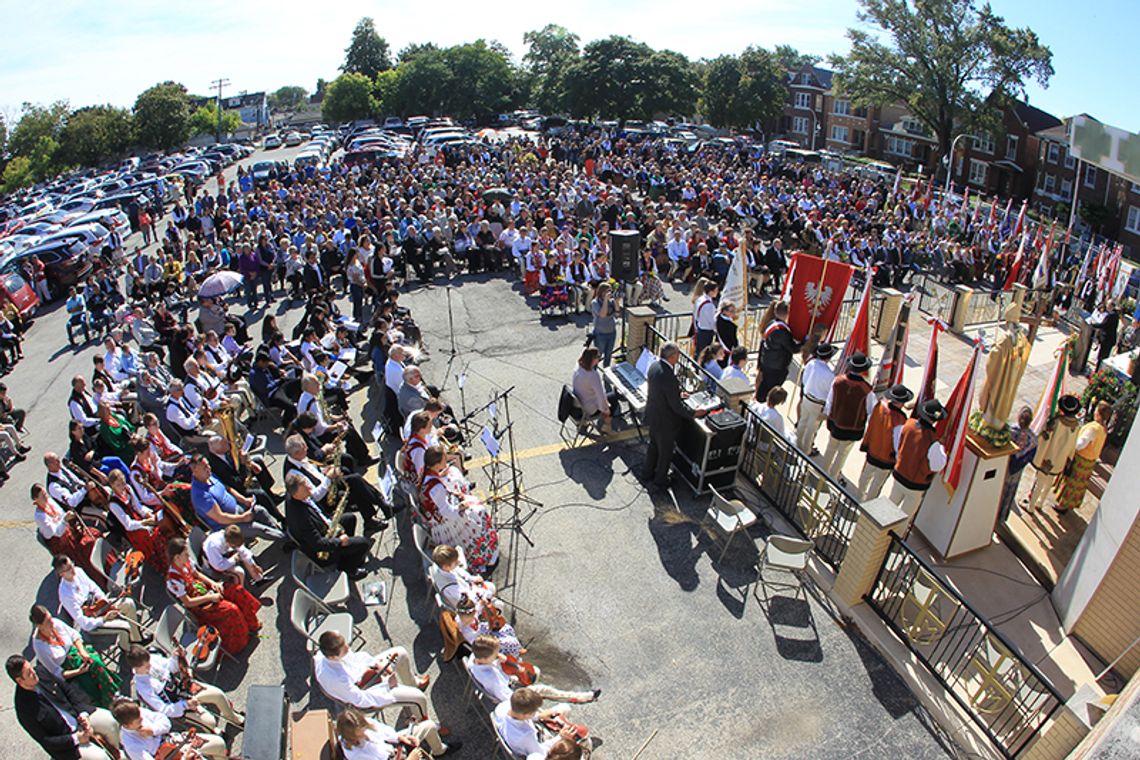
(920, 456)
(815, 383)
(849, 404)
(1055, 447)
(881, 441)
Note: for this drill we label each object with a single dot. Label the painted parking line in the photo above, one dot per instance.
(554, 448)
(14, 524)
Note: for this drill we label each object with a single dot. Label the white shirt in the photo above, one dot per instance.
(733, 371)
(129, 521)
(71, 494)
(521, 736)
(50, 655)
(453, 584)
(704, 313)
(205, 382)
(221, 556)
(51, 525)
(393, 375)
(321, 483)
(77, 592)
(78, 413)
(492, 680)
(816, 379)
(150, 685)
(379, 744)
(181, 414)
(338, 679)
(309, 403)
(678, 250)
(769, 414)
(936, 456)
(139, 747)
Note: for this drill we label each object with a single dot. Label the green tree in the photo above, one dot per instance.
(367, 53)
(954, 64)
(672, 85)
(162, 116)
(383, 90)
(349, 97)
(790, 58)
(17, 174)
(96, 133)
(608, 80)
(37, 121)
(204, 121)
(423, 84)
(482, 78)
(416, 48)
(551, 51)
(45, 158)
(322, 85)
(288, 98)
(740, 91)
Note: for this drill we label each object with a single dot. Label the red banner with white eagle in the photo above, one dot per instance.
(814, 290)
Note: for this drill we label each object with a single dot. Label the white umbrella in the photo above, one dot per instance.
(219, 283)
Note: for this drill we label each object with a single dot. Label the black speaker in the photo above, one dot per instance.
(626, 247)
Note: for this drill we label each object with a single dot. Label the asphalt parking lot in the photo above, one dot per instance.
(606, 597)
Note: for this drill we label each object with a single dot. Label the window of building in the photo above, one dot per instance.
(858, 138)
(1070, 162)
(961, 165)
(803, 100)
(1090, 176)
(800, 125)
(900, 147)
(1067, 189)
(861, 112)
(805, 78)
(983, 143)
(977, 172)
(1133, 223)
(914, 126)
(838, 133)
(1011, 147)
(842, 108)
(1049, 183)
(1134, 188)
(1054, 153)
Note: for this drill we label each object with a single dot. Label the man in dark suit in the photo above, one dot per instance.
(58, 715)
(776, 352)
(309, 526)
(261, 488)
(665, 413)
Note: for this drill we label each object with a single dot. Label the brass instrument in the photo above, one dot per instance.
(334, 522)
(229, 432)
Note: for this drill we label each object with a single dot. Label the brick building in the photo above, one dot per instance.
(1004, 165)
(803, 120)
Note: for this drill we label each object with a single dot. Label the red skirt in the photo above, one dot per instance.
(153, 547)
(235, 617)
(78, 548)
(530, 283)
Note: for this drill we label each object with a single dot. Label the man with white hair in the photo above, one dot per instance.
(413, 393)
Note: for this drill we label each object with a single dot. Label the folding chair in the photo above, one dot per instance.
(173, 630)
(328, 587)
(730, 517)
(570, 409)
(194, 542)
(310, 619)
(482, 699)
(422, 542)
(787, 555)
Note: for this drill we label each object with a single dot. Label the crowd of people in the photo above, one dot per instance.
(162, 473)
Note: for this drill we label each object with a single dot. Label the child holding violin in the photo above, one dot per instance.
(490, 671)
(519, 721)
(477, 619)
(453, 580)
(362, 738)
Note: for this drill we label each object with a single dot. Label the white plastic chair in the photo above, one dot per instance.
(310, 619)
(330, 588)
(729, 517)
(173, 630)
(787, 555)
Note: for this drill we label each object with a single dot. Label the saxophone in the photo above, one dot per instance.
(334, 521)
(334, 460)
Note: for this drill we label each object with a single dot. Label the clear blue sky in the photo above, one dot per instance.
(109, 51)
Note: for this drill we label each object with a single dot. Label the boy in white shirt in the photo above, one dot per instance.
(487, 670)
(515, 721)
(143, 732)
(227, 555)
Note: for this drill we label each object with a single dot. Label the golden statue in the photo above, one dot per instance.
(1005, 366)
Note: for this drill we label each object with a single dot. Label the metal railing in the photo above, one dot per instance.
(692, 376)
(800, 489)
(985, 307)
(1001, 690)
(935, 298)
(845, 319)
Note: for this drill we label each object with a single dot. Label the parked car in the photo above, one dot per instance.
(271, 142)
(15, 290)
(263, 172)
(114, 219)
(93, 234)
(66, 263)
(292, 139)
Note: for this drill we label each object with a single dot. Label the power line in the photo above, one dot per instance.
(219, 84)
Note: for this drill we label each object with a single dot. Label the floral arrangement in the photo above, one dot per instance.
(998, 438)
(1104, 385)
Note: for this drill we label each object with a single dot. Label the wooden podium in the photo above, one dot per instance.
(964, 521)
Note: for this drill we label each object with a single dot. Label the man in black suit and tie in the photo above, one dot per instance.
(309, 527)
(665, 413)
(59, 716)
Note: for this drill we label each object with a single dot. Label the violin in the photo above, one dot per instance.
(376, 673)
(208, 638)
(521, 670)
(184, 677)
(557, 722)
(492, 616)
(170, 520)
(183, 747)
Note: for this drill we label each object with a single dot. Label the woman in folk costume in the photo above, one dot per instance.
(454, 517)
(65, 534)
(555, 293)
(229, 608)
(1090, 442)
(534, 262)
(139, 523)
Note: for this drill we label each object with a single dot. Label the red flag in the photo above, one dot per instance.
(898, 180)
(929, 193)
(1005, 215)
(893, 361)
(1052, 392)
(993, 213)
(814, 298)
(953, 426)
(978, 209)
(1020, 217)
(1015, 268)
(860, 337)
(930, 371)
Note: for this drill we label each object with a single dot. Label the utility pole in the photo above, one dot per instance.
(219, 84)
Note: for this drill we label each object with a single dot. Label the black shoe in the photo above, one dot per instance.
(452, 746)
(374, 526)
(597, 693)
(24, 449)
(20, 457)
(357, 574)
